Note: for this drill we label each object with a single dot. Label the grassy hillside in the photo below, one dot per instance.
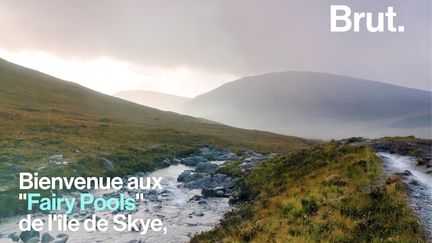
(41, 116)
(332, 193)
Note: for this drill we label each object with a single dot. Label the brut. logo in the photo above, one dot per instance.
(342, 19)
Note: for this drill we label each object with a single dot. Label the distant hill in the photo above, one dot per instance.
(317, 105)
(157, 100)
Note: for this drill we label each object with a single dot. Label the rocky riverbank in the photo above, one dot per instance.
(195, 195)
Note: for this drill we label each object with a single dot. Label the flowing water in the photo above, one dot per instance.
(420, 184)
(181, 216)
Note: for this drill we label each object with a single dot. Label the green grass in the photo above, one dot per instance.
(326, 194)
(41, 116)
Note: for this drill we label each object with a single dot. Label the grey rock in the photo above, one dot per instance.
(203, 202)
(32, 240)
(196, 198)
(193, 160)
(246, 166)
(106, 164)
(199, 214)
(61, 238)
(14, 237)
(46, 237)
(62, 235)
(189, 175)
(407, 173)
(166, 162)
(27, 235)
(206, 166)
(414, 183)
(228, 156)
(215, 192)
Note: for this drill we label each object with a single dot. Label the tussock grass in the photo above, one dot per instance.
(327, 194)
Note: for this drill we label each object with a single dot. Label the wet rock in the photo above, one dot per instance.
(199, 214)
(189, 175)
(62, 235)
(216, 154)
(228, 156)
(61, 238)
(46, 237)
(138, 228)
(203, 182)
(215, 192)
(193, 160)
(210, 181)
(407, 173)
(202, 202)
(207, 152)
(14, 237)
(106, 164)
(206, 166)
(429, 172)
(158, 207)
(166, 162)
(151, 195)
(32, 240)
(196, 198)
(27, 235)
(220, 193)
(414, 183)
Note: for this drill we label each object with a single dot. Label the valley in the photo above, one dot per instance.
(282, 188)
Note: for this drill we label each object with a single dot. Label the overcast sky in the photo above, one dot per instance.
(190, 47)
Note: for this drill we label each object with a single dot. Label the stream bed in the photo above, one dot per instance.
(173, 205)
(420, 185)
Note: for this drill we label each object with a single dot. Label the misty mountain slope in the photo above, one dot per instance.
(26, 93)
(157, 100)
(317, 105)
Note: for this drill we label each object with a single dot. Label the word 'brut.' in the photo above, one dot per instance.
(343, 20)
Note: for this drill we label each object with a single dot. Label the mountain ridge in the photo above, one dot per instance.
(272, 101)
(159, 100)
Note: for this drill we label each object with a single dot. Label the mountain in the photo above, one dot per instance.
(157, 100)
(42, 116)
(317, 105)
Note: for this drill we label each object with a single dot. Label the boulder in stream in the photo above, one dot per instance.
(27, 235)
(206, 166)
(46, 237)
(193, 160)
